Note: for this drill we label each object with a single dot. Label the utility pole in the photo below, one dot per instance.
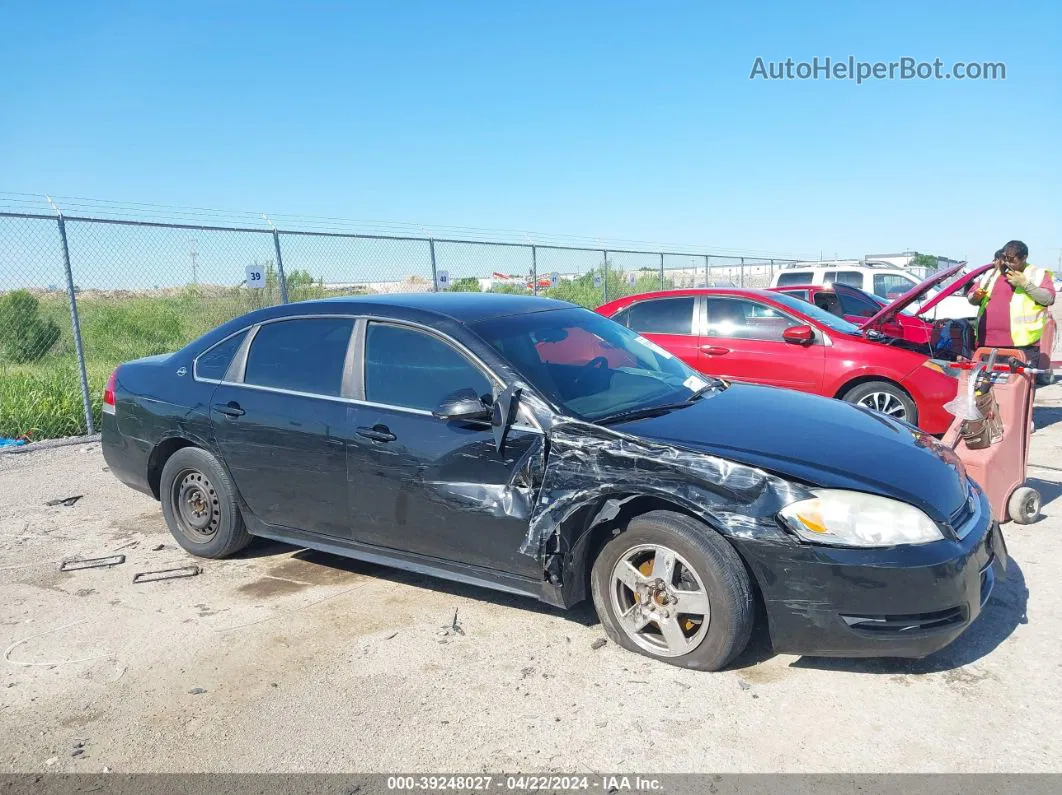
(193, 254)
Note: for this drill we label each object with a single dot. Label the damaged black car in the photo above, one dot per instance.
(528, 445)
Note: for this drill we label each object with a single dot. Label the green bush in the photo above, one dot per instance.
(24, 335)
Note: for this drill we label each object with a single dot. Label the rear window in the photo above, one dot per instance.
(795, 277)
(801, 294)
(304, 355)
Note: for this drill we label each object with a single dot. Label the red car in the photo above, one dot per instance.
(857, 306)
(768, 337)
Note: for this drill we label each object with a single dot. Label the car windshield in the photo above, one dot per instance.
(590, 366)
(821, 316)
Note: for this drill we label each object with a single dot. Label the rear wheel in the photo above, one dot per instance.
(199, 504)
(884, 398)
(672, 589)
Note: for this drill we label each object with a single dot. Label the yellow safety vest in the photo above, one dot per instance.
(1027, 318)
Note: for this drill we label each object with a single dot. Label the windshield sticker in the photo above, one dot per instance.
(653, 347)
(694, 384)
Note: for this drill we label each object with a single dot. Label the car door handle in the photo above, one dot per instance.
(378, 433)
(231, 409)
(715, 350)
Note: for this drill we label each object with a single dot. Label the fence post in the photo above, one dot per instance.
(742, 277)
(534, 269)
(434, 277)
(75, 326)
(707, 268)
(661, 270)
(771, 280)
(604, 277)
(281, 278)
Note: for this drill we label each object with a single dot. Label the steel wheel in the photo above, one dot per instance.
(885, 403)
(196, 506)
(661, 603)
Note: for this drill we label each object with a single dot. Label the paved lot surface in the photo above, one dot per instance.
(308, 662)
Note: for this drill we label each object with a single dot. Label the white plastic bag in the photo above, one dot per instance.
(964, 406)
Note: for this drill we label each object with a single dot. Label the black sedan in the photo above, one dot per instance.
(535, 447)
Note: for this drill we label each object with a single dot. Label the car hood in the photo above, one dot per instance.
(919, 291)
(819, 441)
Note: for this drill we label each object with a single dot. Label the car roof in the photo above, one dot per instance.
(462, 307)
(684, 292)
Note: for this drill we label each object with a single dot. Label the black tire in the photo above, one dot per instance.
(195, 489)
(886, 395)
(716, 569)
(1045, 379)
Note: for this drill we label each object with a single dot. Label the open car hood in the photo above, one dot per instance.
(917, 292)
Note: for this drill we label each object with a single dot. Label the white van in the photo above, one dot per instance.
(885, 282)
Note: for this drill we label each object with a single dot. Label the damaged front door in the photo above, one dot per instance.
(436, 487)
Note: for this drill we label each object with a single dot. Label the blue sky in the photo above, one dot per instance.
(621, 120)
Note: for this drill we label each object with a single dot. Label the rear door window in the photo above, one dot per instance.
(412, 369)
(302, 355)
(661, 316)
(853, 278)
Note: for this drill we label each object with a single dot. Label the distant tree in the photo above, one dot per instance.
(469, 284)
(24, 335)
(925, 261)
(298, 279)
(582, 290)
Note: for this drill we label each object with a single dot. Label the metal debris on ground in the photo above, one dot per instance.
(91, 563)
(196, 691)
(166, 574)
(455, 626)
(66, 502)
(744, 685)
(158, 548)
(391, 635)
(597, 644)
(127, 545)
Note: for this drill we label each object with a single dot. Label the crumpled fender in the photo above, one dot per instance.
(590, 465)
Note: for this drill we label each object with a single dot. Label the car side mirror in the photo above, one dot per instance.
(463, 404)
(799, 335)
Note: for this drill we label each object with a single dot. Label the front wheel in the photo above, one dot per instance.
(884, 398)
(199, 504)
(673, 589)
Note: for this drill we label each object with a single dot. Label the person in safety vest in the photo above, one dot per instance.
(1013, 298)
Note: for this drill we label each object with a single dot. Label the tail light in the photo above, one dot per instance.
(108, 394)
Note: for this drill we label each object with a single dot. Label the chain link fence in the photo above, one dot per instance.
(80, 295)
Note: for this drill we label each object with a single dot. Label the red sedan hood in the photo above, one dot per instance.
(920, 290)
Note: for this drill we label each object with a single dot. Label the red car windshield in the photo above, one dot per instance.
(821, 316)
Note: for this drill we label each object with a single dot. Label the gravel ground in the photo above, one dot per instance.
(283, 660)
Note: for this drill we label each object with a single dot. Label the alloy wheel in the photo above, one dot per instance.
(659, 601)
(885, 403)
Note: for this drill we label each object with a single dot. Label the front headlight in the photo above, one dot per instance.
(854, 519)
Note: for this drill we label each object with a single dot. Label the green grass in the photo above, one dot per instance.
(42, 399)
